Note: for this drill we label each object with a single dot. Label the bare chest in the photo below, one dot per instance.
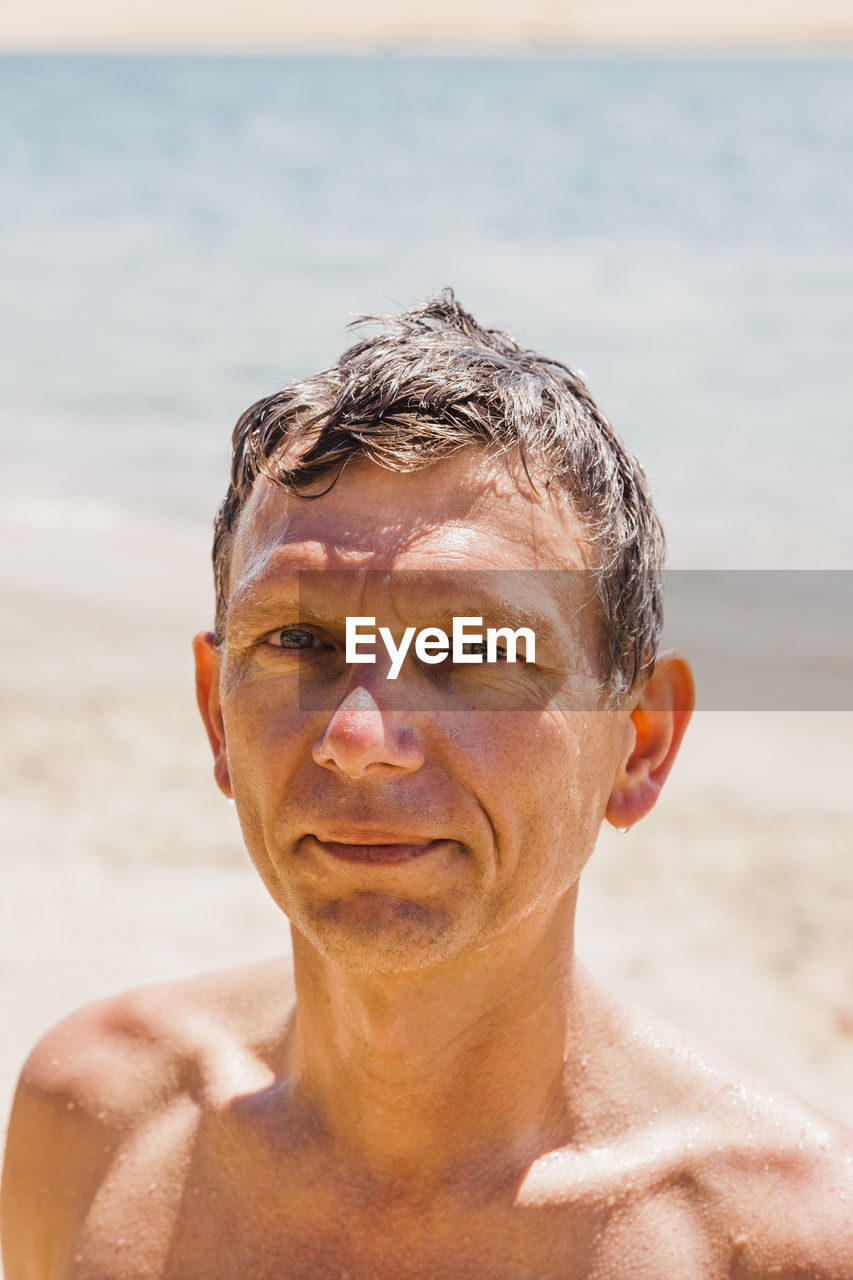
(212, 1207)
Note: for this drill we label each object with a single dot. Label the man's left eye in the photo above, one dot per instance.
(293, 638)
(480, 647)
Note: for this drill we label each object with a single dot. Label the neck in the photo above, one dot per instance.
(464, 1065)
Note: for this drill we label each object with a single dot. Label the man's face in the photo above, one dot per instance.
(398, 823)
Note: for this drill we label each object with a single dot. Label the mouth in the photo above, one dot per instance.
(377, 851)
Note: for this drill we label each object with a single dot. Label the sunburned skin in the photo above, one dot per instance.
(435, 1087)
(189, 1153)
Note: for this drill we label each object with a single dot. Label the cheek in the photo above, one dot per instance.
(549, 778)
(264, 733)
(527, 767)
(560, 753)
(263, 741)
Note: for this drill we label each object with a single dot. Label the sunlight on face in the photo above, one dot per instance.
(398, 822)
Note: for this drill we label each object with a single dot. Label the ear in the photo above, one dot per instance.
(658, 722)
(207, 695)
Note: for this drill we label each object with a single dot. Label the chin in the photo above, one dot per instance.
(378, 933)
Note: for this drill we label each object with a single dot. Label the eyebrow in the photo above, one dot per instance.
(265, 613)
(275, 598)
(546, 615)
(497, 613)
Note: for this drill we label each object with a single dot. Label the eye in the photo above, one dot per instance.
(480, 647)
(292, 638)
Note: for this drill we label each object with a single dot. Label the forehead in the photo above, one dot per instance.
(465, 511)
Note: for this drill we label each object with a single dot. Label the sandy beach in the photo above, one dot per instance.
(339, 25)
(727, 910)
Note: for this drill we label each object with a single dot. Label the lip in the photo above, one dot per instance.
(377, 851)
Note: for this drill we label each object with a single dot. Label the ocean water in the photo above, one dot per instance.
(182, 235)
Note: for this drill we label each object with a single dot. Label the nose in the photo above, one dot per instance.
(363, 740)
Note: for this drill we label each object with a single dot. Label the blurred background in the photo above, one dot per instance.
(193, 208)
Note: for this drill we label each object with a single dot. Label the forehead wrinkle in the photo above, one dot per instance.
(342, 542)
(290, 510)
(470, 518)
(436, 598)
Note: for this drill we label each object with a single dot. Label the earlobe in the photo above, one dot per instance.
(658, 723)
(207, 695)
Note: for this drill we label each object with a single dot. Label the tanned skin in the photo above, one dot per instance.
(436, 1089)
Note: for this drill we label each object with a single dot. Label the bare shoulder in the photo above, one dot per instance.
(149, 1058)
(771, 1177)
(784, 1182)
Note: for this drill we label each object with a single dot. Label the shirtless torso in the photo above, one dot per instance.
(157, 1135)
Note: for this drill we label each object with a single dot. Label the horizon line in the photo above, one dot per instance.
(782, 48)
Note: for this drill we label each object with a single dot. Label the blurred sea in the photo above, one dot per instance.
(182, 235)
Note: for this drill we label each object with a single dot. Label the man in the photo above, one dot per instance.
(450, 1093)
